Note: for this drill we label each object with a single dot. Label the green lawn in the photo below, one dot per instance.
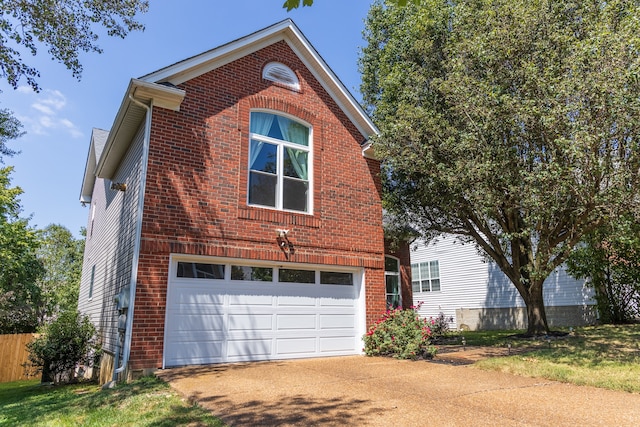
(145, 402)
(606, 356)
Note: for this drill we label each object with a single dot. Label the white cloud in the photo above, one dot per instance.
(47, 113)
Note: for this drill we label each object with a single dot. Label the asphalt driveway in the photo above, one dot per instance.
(365, 391)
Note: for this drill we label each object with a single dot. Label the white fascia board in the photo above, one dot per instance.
(187, 69)
(88, 181)
(130, 116)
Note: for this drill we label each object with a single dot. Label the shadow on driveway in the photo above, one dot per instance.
(366, 391)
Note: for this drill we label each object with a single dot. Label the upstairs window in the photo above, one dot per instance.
(279, 163)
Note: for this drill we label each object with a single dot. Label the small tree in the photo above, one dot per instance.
(66, 343)
(610, 259)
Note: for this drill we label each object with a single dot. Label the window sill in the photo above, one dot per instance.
(279, 217)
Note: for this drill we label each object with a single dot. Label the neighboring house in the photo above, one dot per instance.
(451, 278)
(235, 213)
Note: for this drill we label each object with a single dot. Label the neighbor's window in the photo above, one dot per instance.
(256, 274)
(197, 270)
(279, 163)
(425, 276)
(392, 282)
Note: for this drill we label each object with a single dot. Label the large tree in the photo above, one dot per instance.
(20, 269)
(64, 27)
(61, 256)
(513, 124)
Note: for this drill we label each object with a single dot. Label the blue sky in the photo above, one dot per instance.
(59, 119)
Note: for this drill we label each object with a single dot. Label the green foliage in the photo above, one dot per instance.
(65, 28)
(64, 344)
(61, 256)
(294, 4)
(19, 293)
(401, 334)
(509, 123)
(610, 259)
(10, 128)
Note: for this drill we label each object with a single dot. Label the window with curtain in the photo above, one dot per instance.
(279, 160)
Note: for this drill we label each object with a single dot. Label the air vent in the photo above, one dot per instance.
(280, 73)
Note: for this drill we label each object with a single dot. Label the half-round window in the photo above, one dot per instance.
(280, 73)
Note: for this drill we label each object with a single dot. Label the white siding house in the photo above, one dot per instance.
(111, 234)
(451, 278)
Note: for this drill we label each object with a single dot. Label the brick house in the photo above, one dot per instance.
(235, 213)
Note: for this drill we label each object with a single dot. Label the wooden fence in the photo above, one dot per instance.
(13, 353)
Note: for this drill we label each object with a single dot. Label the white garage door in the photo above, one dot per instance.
(220, 311)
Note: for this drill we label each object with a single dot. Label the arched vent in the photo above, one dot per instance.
(280, 73)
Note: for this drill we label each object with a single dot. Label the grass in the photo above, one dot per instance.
(145, 402)
(606, 356)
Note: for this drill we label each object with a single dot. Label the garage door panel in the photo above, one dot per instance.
(191, 322)
(254, 348)
(296, 301)
(337, 321)
(195, 352)
(248, 300)
(337, 302)
(296, 322)
(337, 344)
(202, 295)
(289, 346)
(256, 322)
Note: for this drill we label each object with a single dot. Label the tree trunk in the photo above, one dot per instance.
(536, 314)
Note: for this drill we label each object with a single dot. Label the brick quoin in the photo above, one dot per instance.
(196, 193)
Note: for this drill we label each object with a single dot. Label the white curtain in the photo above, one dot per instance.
(260, 124)
(299, 134)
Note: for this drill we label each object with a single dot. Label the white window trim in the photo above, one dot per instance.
(393, 273)
(280, 165)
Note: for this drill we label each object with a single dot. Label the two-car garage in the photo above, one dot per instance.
(221, 310)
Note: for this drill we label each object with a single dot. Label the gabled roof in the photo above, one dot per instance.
(158, 89)
(282, 31)
(98, 141)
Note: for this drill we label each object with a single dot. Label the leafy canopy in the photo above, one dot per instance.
(511, 123)
(65, 27)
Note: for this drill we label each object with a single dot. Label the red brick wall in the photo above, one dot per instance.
(402, 251)
(196, 194)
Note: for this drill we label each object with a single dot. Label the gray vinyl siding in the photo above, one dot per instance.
(468, 281)
(110, 243)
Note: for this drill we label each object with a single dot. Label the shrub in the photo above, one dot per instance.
(440, 325)
(401, 334)
(63, 345)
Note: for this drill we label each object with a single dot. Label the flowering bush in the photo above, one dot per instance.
(401, 334)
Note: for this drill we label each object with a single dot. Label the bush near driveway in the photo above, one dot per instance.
(401, 334)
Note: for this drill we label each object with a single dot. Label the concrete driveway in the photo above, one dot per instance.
(365, 391)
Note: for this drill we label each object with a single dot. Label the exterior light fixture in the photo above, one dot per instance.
(119, 186)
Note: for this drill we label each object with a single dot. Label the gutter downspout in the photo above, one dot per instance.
(136, 249)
